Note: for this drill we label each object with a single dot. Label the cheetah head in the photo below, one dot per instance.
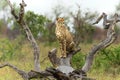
(60, 20)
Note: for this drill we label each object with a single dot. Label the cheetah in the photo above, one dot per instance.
(64, 37)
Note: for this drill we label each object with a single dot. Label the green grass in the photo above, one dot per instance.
(23, 59)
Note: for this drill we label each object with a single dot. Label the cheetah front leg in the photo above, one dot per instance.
(64, 49)
(61, 49)
(72, 46)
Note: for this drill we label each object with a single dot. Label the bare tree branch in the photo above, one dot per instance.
(61, 61)
(64, 71)
(53, 57)
(22, 10)
(12, 10)
(30, 37)
(20, 72)
(30, 75)
(111, 36)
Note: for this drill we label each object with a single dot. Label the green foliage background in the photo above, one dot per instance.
(19, 52)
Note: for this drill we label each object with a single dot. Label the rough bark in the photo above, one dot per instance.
(63, 69)
(21, 21)
(61, 61)
(110, 38)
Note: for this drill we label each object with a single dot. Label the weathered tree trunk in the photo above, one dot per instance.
(110, 38)
(21, 21)
(62, 68)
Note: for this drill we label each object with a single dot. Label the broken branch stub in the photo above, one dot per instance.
(63, 69)
(21, 21)
(110, 38)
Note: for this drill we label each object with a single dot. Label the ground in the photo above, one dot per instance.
(25, 62)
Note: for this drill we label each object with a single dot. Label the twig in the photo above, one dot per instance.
(44, 59)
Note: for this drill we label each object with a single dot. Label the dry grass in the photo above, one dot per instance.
(104, 76)
(25, 62)
(9, 74)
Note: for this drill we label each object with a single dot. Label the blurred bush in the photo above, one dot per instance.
(107, 60)
(78, 60)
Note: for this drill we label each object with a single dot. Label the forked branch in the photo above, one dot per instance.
(110, 38)
(64, 71)
(21, 21)
(20, 72)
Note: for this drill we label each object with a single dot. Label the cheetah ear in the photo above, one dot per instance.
(62, 19)
(57, 18)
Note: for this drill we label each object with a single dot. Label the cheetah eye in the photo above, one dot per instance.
(62, 19)
(57, 19)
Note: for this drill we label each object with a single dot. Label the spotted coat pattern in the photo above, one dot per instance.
(64, 37)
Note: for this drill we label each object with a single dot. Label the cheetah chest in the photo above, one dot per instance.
(60, 34)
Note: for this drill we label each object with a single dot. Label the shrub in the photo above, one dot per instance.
(9, 49)
(108, 59)
(78, 60)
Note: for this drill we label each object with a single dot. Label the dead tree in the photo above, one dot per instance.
(82, 26)
(64, 70)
